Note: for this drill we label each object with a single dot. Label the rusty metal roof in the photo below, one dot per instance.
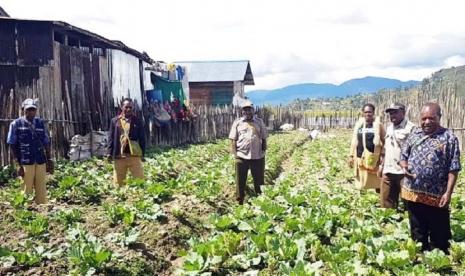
(218, 71)
(90, 37)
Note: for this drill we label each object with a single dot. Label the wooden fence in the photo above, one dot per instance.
(448, 90)
(212, 122)
(215, 122)
(209, 123)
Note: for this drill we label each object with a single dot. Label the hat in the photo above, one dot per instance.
(29, 103)
(394, 107)
(247, 104)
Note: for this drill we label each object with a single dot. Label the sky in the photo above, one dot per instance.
(287, 42)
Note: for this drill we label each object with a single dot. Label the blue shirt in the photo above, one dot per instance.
(430, 158)
(28, 140)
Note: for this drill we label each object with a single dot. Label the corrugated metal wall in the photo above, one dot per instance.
(148, 85)
(125, 77)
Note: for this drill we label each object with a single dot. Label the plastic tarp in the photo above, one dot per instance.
(169, 89)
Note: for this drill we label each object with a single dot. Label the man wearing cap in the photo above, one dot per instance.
(30, 145)
(396, 136)
(248, 145)
(430, 160)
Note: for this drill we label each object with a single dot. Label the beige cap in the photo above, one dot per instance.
(247, 104)
(29, 103)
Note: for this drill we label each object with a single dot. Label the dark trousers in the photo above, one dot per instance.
(390, 190)
(257, 168)
(429, 225)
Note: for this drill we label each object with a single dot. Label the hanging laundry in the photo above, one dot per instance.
(172, 75)
(180, 72)
(154, 95)
(169, 89)
(171, 67)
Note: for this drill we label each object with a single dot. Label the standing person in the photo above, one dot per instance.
(30, 145)
(248, 145)
(365, 150)
(431, 162)
(396, 136)
(126, 140)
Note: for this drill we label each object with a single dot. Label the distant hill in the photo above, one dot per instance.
(287, 94)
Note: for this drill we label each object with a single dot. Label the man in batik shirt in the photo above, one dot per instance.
(431, 162)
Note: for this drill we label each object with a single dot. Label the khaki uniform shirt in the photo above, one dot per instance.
(396, 137)
(248, 136)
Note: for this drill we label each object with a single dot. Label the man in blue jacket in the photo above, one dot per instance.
(30, 145)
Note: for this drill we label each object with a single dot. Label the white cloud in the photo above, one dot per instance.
(456, 60)
(287, 41)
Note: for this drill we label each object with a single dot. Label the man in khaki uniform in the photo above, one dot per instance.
(30, 145)
(126, 140)
(248, 145)
(396, 136)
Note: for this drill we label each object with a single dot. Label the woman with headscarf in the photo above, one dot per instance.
(366, 149)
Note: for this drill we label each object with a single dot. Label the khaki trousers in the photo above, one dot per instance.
(34, 180)
(121, 167)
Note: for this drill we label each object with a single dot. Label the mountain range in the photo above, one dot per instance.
(287, 94)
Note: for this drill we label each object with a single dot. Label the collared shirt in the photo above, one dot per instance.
(396, 137)
(28, 140)
(248, 136)
(430, 158)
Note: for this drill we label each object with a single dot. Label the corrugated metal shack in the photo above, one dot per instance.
(78, 76)
(217, 82)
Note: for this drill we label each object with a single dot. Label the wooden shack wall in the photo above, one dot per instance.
(25, 43)
(78, 86)
(211, 93)
(74, 95)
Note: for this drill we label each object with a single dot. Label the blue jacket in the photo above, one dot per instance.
(28, 140)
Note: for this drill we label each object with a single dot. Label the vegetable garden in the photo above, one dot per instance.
(184, 219)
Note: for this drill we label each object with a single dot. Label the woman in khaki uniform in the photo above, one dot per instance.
(366, 149)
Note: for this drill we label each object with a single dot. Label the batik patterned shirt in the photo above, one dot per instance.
(430, 159)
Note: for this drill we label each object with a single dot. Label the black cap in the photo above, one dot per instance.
(395, 106)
